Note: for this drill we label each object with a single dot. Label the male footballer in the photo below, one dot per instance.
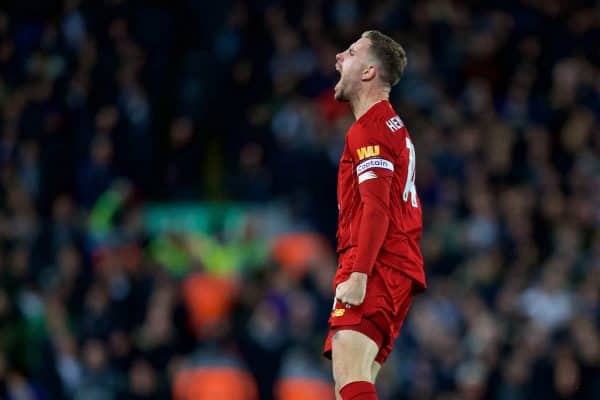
(379, 223)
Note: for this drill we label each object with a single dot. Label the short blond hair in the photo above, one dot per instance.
(389, 54)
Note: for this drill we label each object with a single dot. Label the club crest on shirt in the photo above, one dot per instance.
(367, 151)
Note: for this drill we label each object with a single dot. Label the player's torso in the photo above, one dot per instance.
(384, 128)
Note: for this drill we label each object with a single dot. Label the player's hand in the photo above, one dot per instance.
(352, 291)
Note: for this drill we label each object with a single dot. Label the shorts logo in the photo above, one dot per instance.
(374, 163)
(338, 312)
(368, 151)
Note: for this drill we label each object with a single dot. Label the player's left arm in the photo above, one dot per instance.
(374, 171)
(375, 196)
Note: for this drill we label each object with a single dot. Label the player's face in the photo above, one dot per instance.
(350, 64)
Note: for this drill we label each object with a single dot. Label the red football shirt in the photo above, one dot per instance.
(378, 147)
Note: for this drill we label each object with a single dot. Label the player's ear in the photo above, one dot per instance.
(369, 72)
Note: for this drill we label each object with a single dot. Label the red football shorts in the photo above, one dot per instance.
(381, 314)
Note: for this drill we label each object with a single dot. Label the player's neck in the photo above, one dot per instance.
(362, 104)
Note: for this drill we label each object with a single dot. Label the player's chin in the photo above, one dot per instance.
(339, 95)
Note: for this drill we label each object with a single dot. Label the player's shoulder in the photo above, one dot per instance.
(381, 121)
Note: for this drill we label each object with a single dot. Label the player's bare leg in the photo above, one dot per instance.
(353, 355)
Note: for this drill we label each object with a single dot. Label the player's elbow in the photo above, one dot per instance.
(375, 211)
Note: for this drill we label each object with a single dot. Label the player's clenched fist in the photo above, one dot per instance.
(353, 290)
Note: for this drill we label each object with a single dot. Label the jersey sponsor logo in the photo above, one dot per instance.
(366, 176)
(338, 312)
(374, 163)
(367, 151)
(394, 123)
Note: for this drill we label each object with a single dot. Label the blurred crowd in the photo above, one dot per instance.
(109, 106)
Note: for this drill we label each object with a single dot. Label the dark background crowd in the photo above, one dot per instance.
(111, 107)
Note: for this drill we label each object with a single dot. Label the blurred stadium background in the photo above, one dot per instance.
(168, 213)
